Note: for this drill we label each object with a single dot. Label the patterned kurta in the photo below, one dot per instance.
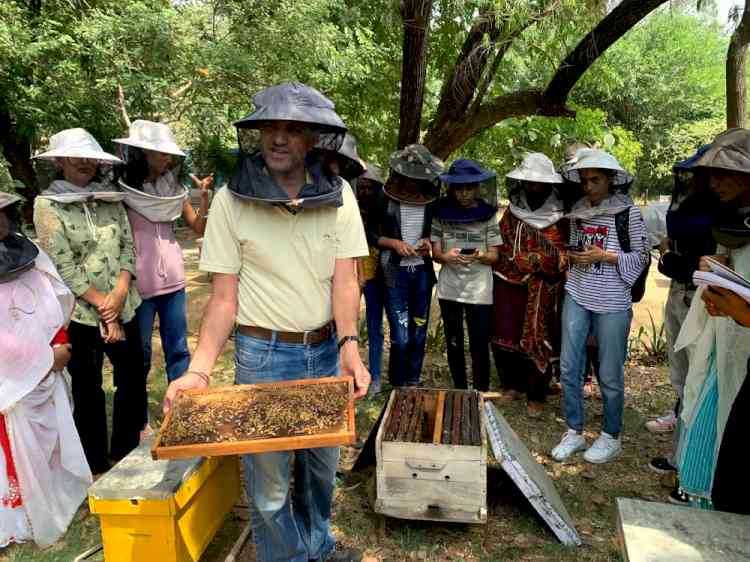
(90, 244)
(528, 290)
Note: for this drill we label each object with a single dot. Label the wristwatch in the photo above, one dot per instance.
(345, 339)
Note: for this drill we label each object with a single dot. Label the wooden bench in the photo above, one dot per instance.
(163, 511)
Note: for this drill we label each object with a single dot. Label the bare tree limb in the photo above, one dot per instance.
(736, 71)
(618, 22)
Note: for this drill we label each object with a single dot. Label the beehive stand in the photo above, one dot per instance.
(659, 532)
(529, 476)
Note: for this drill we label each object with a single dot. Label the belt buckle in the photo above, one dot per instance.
(305, 336)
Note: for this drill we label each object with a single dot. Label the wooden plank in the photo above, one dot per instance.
(407, 510)
(397, 401)
(467, 419)
(456, 421)
(476, 425)
(434, 492)
(398, 451)
(448, 418)
(660, 532)
(406, 416)
(411, 428)
(431, 469)
(437, 433)
(430, 402)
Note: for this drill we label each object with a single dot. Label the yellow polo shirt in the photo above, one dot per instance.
(285, 261)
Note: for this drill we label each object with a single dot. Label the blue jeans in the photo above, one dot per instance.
(172, 329)
(289, 527)
(374, 293)
(611, 331)
(407, 306)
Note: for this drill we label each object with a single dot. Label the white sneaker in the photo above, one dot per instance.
(570, 444)
(604, 449)
(662, 424)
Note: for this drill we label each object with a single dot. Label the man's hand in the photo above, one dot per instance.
(61, 356)
(187, 381)
(350, 363)
(723, 302)
(703, 264)
(113, 332)
(423, 247)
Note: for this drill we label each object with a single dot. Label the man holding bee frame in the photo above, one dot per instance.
(282, 245)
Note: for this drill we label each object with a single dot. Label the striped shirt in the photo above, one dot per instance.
(604, 287)
(412, 223)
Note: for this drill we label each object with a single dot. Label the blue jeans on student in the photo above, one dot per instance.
(611, 331)
(374, 292)
(289, 527)
(407, 306)
(172, 313)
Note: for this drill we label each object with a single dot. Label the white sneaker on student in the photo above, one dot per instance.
(571, 443)
(604, 449)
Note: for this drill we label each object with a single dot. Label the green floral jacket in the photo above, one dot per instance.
(88, 252)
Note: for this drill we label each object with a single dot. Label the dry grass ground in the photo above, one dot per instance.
(513, 531)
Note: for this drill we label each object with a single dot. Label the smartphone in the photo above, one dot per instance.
(572, 248)
(103, 330)
(467, 251)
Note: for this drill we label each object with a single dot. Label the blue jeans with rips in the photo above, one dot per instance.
(611, 331)
(172, 312)
(374, 293)
(289, 527)
(407, 306)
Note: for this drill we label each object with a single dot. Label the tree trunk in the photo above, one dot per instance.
(449, 132)
(736, 71)
(416, 17)
(17, 151)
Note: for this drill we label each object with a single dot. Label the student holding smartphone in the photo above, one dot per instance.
(465, 239)
(528, 282)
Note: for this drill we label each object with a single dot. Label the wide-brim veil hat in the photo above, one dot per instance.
(415, 162)
(593, 158)
(535, 167)
(150, 135)
(297, 102)
(18, 252)
(76, 143)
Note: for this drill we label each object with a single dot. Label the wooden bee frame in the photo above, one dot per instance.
(345, 435)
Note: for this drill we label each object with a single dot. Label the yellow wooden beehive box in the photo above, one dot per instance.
(165, 511)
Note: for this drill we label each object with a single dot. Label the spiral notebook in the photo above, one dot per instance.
(722, 276)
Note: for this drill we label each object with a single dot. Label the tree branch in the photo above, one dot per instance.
(618, 22)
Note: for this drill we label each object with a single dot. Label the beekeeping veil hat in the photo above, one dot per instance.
(373, 173)
(160, 200)
(17, 252)
(587, 158)
(465, 172)
(415, 162)
(730, 151)
(351, 165)
(535, 168)
(291, 101)
(76, 143)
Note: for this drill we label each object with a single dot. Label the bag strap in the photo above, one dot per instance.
(622, 226)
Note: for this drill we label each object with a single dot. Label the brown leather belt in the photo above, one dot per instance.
(313, 337)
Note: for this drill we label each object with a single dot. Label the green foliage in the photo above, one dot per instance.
(651, 340)
(503, 147)
(665, 76)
